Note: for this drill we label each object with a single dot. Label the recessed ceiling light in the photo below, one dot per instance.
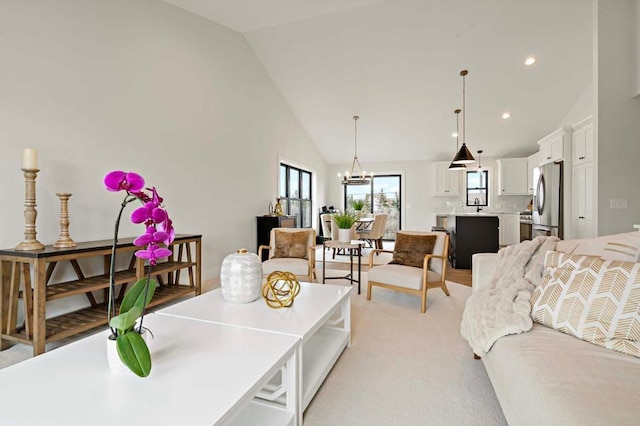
(530, 60)
(506, 115)
(454, 134)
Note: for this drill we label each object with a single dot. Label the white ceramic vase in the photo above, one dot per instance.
(241, 277)
(344, 235)
(115, 363)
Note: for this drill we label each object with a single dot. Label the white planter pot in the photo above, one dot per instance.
(115, 363)
(344, 235)
(241, 277)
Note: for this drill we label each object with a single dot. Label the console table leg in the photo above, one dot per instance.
(198, 267)
(39, 307)
(5, 285)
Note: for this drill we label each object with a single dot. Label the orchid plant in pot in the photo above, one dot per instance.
(127, 325)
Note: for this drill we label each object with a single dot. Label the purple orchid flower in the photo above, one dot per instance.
(167, 227)
(118, 180)
(151, 236)
(153, 253)
(149, 213)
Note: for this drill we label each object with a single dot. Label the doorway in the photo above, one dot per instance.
(381, 195)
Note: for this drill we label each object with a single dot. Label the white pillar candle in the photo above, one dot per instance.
(29, 158)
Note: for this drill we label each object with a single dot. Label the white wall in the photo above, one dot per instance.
(581, 109)
(617, 127)
(637, 46)
(140, 86)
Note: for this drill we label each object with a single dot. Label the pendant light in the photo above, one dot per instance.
(464, 155)
(357, 176)
(479, 162)
(453, 166)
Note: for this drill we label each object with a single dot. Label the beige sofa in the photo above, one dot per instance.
(546, 377)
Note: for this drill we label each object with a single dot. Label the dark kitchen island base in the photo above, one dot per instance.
(472, 234)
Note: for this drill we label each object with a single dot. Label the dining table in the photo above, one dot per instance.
(364, 223)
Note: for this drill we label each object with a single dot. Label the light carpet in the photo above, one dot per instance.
(404, 367)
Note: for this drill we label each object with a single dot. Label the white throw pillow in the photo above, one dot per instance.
(624, 246)
(594, 299)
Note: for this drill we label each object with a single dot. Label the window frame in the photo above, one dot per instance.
(480, 188)
(288, 200)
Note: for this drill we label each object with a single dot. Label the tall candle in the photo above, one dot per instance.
(29, 158)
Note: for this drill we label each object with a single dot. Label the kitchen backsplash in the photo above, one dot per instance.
(502, 204)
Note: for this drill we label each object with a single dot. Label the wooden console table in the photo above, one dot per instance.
(16, 283)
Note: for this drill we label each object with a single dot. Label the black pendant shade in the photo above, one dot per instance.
(463, 156)
(457, 167)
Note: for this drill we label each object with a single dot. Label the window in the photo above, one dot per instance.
(384, 190)
(295, 194)
(477, 188)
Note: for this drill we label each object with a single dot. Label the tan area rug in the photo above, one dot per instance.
(404, 367)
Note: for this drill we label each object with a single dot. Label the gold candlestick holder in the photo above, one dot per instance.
(64, 241)
(30, 213)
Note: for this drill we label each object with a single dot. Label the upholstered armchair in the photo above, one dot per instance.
(292, 250)
(419, 263)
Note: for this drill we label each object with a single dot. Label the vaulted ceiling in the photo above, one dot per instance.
(396, 64)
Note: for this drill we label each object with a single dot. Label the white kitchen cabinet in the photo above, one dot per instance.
(583, 142)
(532, 162)
(446, 182)
(552, 146)
(509, 232)
(512, 176)
(583, 224)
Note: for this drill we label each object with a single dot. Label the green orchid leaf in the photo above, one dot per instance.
(126, 320)
(135, 295)
(134, 353)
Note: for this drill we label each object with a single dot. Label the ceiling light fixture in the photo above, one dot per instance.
(357, 175)
(506, 115)
(479, 163)
(453, 166)
(530, 60)
(464, 155)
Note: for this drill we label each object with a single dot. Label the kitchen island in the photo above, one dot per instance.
(472, 233)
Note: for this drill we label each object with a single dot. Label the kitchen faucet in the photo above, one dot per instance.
(476, 203)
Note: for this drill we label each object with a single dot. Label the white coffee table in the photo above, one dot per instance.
(202, 374)
(320, 316)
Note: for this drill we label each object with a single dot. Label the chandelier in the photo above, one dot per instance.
(357, 175)
(464, 155)
(453, 166)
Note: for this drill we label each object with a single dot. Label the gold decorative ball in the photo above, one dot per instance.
(280, 289)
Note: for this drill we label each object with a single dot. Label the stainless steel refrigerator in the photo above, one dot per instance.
(547, 200)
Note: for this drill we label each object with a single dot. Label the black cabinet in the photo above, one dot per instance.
(473, 234)
(267, 223)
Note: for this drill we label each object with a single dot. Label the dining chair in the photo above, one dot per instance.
(291, 250)
(325, 222)
(374, 234)
(419, 263)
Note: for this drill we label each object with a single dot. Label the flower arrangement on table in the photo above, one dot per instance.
(125, 327)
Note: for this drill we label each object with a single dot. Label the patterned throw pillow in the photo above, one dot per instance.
(594, 299)
(291, 244)
(410, 249)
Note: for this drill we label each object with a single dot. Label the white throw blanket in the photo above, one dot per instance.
(503, 306)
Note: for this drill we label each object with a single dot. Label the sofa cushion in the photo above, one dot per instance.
(401, 276)
(544, 377)
(410, 249)
(291, 244)
(591, 298)
(625, 246)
